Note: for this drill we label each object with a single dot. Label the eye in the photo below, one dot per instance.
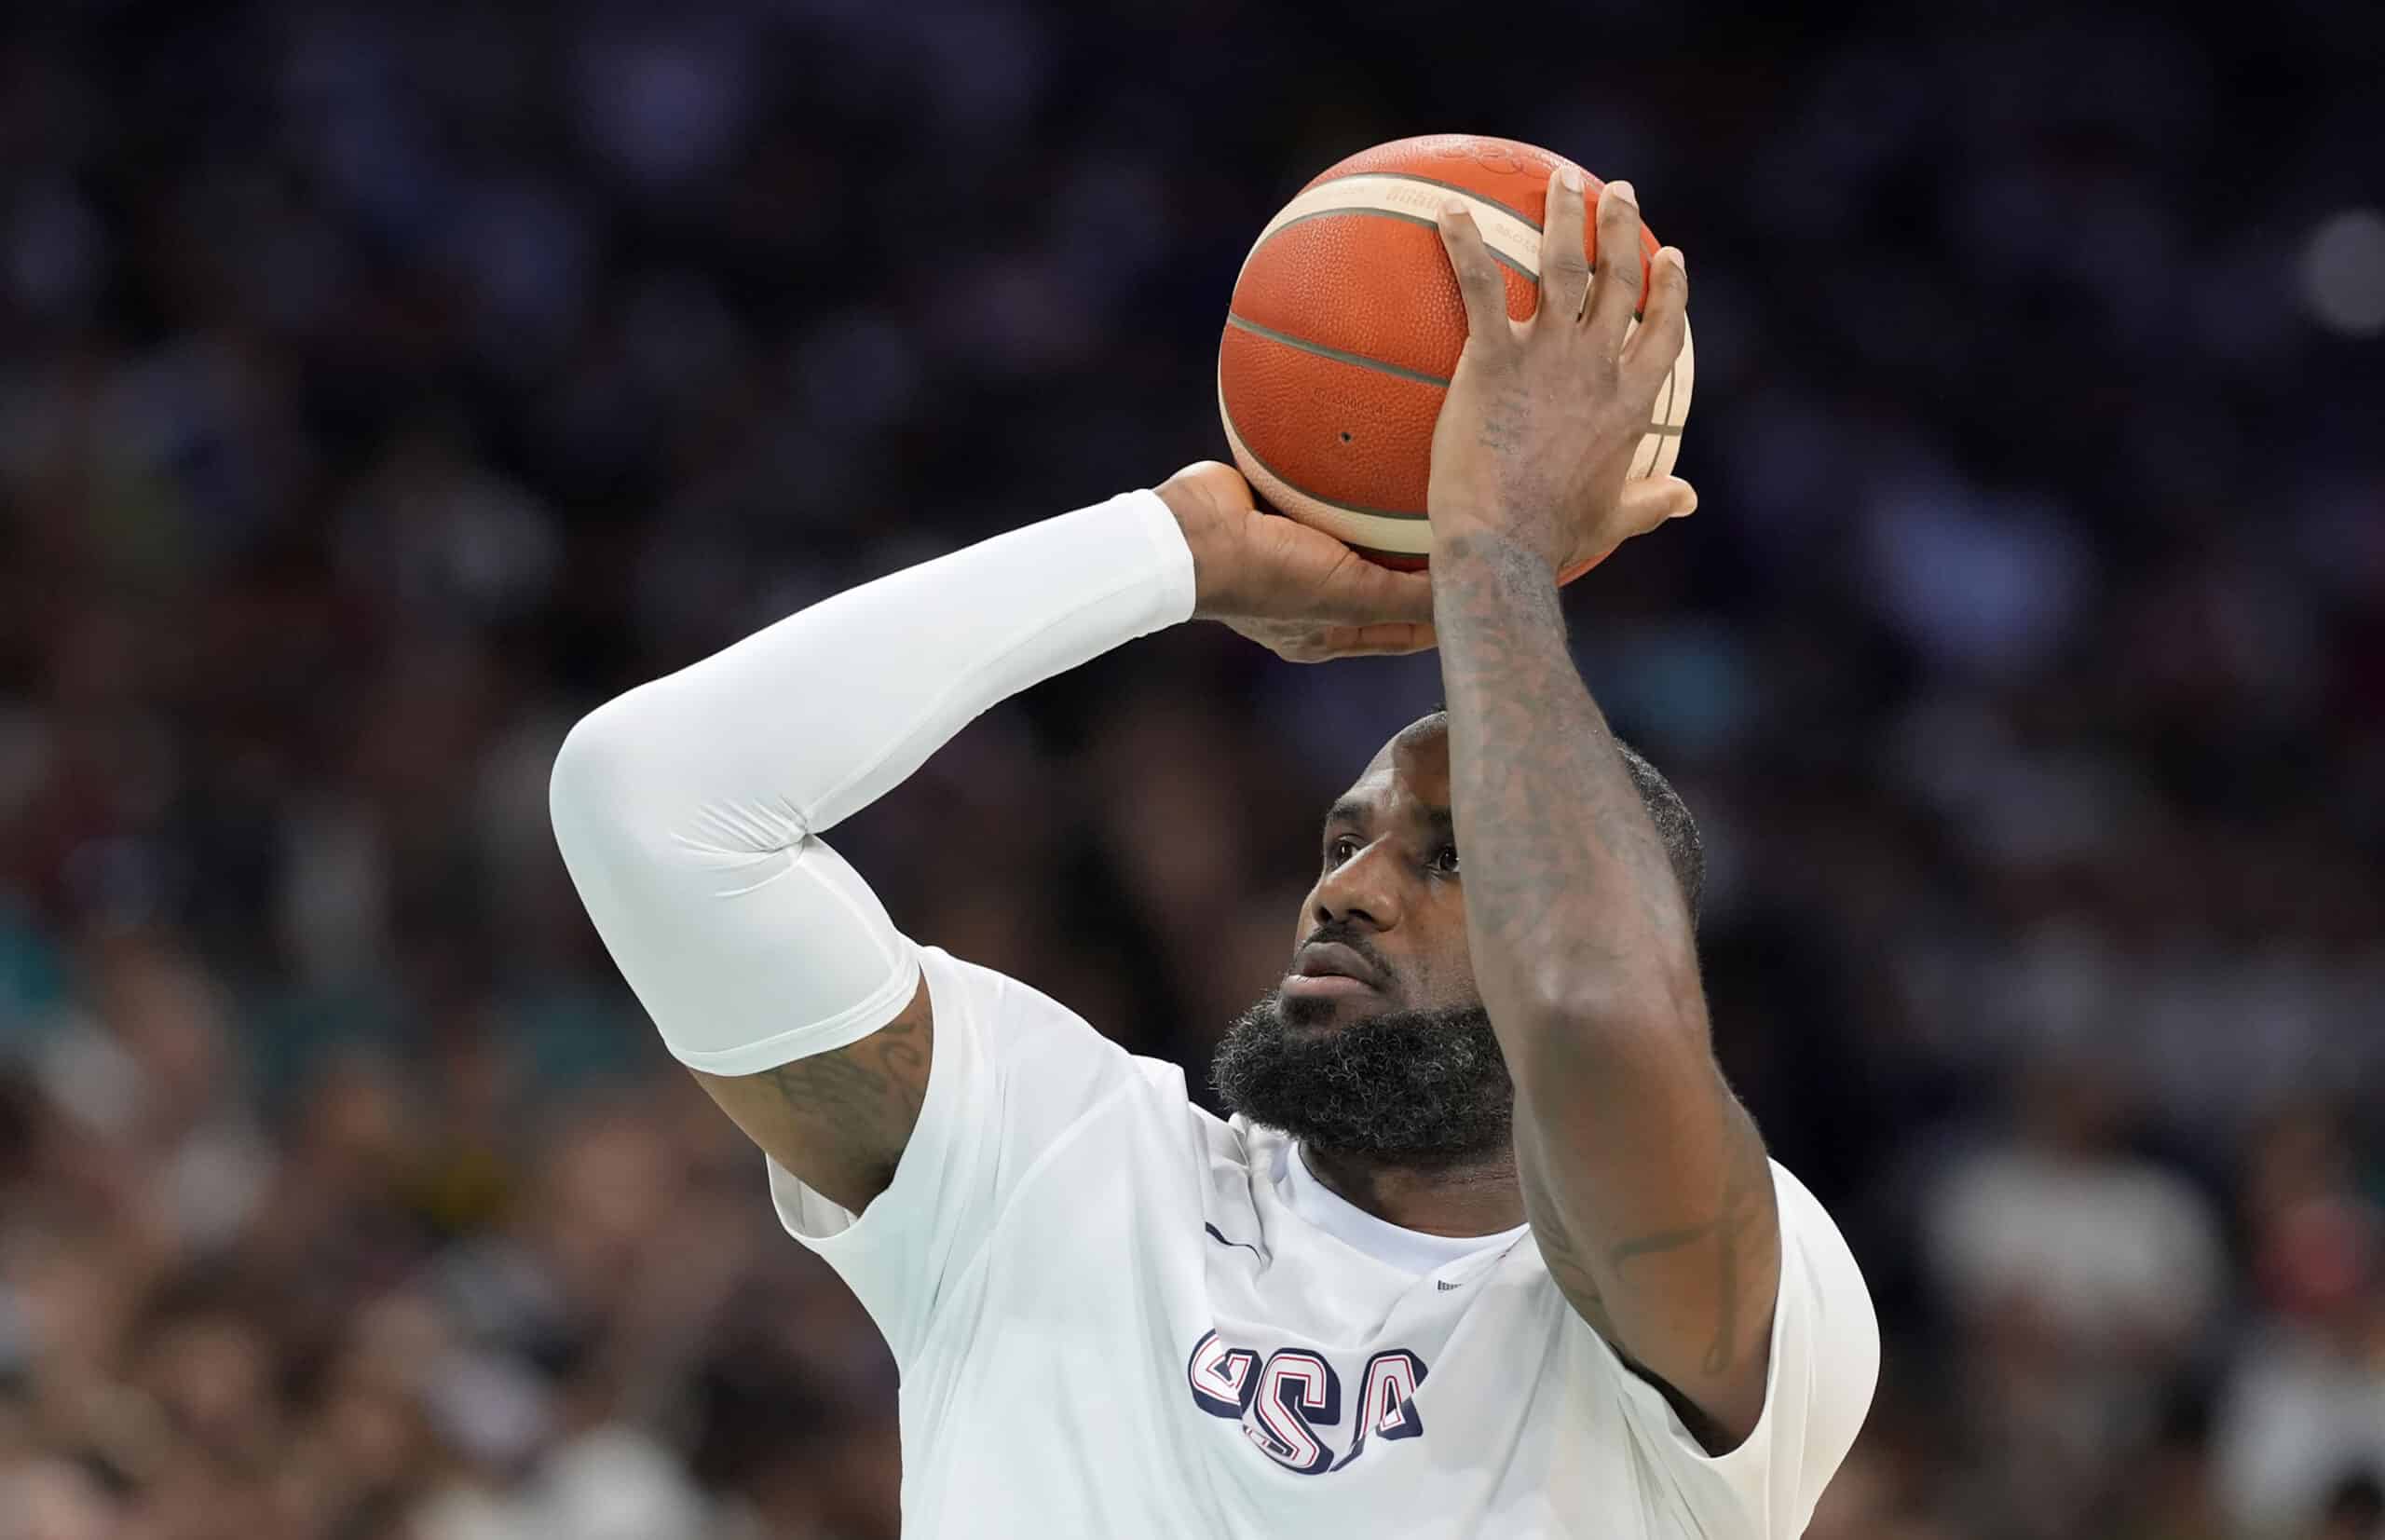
(1337, 848)
(1445, 861)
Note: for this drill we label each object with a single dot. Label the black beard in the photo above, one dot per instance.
(1425, 1089)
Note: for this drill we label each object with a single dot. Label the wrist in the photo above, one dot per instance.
(1199, 522)
(1500, 553)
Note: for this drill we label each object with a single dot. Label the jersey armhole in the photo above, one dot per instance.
(1652, 1404)
(1819, 1282)
(831, 1229)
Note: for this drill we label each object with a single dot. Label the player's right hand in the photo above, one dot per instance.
(1297, 591)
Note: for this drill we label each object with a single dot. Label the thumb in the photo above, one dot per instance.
(1649, 502)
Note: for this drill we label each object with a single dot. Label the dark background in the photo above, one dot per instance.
(379, 389)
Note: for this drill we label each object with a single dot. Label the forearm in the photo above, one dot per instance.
(688, 809)
(1650, 1196)
(1648, 1189)
(810, 720)
(1573, 914)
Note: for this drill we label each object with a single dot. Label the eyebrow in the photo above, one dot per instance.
(1347, 811)
(1350, 809)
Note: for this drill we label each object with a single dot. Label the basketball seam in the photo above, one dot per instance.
(1433, 182)
(1226, 413)
(1488, 213)
(1367, 210)
(1657, 428)
(1673, 380)
(1336, 354)
(1235, 434)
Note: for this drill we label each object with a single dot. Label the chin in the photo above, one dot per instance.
(1361, 1074)
(1329, 1013)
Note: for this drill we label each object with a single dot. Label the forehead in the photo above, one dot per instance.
(1414, 767)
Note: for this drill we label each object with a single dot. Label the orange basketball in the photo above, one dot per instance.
(1346, 324)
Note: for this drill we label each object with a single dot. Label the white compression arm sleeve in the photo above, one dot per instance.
(688, 809)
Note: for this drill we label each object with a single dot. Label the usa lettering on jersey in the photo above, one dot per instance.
(1289, 1401)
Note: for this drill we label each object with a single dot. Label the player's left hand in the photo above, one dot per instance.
(1543, 415)
(1297, 591)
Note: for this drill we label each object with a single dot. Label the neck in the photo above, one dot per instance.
(1477, 1199)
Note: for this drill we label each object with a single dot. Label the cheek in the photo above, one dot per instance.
(1456, 986)
(1461, 974)
(1444, 967)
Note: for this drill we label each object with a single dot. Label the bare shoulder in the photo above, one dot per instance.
(838, 1120)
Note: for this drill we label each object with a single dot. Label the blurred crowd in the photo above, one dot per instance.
(380, 389)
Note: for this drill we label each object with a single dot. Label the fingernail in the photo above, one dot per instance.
(1691, 509)
(1453, 207)
(1672, 255)
(1572, 177)
(1622, 190)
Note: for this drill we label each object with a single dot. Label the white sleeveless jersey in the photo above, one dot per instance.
(1116, 1316)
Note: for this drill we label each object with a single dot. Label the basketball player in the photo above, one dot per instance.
(1488, 1247)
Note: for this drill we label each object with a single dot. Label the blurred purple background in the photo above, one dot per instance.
(381, 389)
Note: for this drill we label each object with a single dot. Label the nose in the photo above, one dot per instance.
(1362, 891)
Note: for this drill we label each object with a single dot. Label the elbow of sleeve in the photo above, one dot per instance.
(587, 760)
(640, 785)
(600, 783)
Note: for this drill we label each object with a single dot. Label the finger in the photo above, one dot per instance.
(1392, 640)
(1399, 637)
(1358, 593)
(1665, 324)
(1479, 282)
(1564, 260)
(1615, 293)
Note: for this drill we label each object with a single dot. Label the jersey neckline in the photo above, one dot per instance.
(1414, 1252)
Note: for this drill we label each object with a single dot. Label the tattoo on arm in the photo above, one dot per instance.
(1744, 1232)
(1582, 944)
(839, 1121)
(1567, 1265)
(1561, 857)
(865, 1095)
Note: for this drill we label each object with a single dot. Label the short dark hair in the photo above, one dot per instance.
(1668, 811)
(1674, 825)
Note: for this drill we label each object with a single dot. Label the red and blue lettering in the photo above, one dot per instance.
(1288, 1404)
(1298, 1393)
(1223, 1379)
(1386, 1399)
